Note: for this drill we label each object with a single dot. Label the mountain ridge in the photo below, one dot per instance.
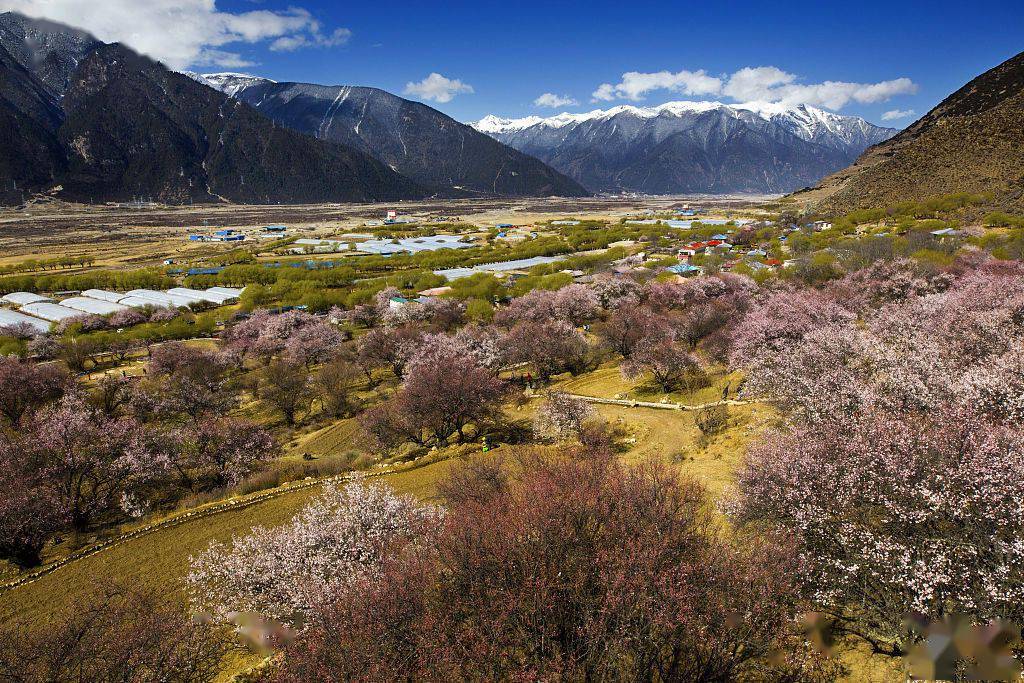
(689, 146)
(433, 149)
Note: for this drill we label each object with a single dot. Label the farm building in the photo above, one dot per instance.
(50, 311)
(22, 298)
(9, 318)
(87, 304)
(685, 269)
(218, 236)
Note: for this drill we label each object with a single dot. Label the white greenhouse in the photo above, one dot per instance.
(199, 295)
(48, 311)
(9, 318)
(90, 305)
(103, 294)
(142, 302)
(22, 298)
(160, 298)
(231, 291)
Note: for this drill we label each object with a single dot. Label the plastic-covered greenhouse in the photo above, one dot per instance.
(200, 295)
(103, 294)
(90, 305)
(49, 311)
(161, 298)
(22, 298)
(9, 318)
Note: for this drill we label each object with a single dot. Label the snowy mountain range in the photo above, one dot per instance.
(692, 146)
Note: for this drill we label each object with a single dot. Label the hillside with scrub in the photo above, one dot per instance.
(970, 142)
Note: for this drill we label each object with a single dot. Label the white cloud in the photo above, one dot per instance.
(550, 99)
(437, 88)
(605, 93)
(749, 84)
(771, 84)
(636, 85)
(338, 36)
(897, 114)
(754, 83)
(184, 33)
(228, 60)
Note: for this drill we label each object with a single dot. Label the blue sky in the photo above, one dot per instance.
(872, 57)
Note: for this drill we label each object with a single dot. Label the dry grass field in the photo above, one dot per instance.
(132, 237)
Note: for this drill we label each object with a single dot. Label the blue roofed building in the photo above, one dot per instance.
(685, 269)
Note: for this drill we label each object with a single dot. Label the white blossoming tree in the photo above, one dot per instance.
(284, 572)
(562, 416)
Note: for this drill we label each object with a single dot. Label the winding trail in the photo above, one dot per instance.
(667, 405)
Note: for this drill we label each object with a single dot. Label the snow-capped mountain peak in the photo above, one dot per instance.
(496, 125)
(803, 120)
(228, 82)
(692, 146)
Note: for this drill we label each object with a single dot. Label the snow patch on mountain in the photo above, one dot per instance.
(495, 125)
(228, 82)
(805, 121)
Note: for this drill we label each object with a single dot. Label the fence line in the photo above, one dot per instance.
(667, 405)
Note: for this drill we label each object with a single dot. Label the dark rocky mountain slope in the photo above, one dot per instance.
(418, 141)
(120, 126)
(30, 154)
